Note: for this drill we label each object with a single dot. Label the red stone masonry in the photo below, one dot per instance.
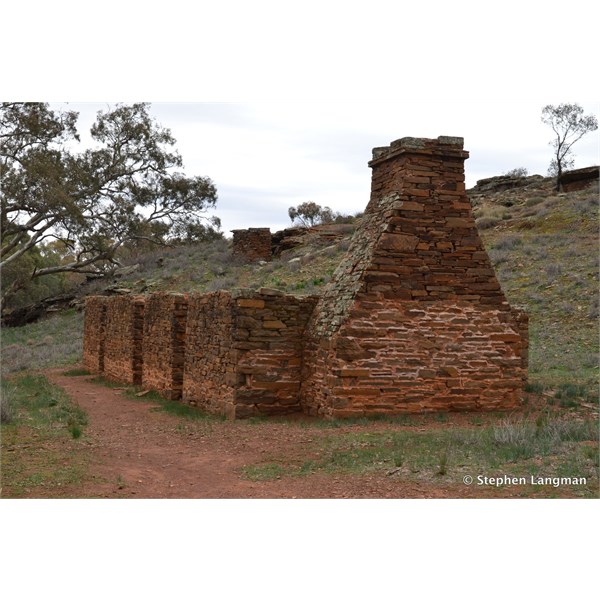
(251, 245)
(209, 377)
(414, 319)
(93, 333)
(164, 343)
(269, 331)
(123, 339)
(244, 352)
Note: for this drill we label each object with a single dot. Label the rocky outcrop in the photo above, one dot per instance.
(579, 179)
(502, 183)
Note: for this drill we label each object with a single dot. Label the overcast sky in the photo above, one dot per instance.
(267, 156)
(287, 100)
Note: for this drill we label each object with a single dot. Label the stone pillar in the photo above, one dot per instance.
(94, 333)
(164, 343)
(124, 338)
(209, 379)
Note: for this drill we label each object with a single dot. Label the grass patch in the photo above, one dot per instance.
(6, 403)
(264, 472)
(534, 388)
(50, 342)
(569, 391)
(101, 380)
(76, 372)
(39, 404)
(40, 456)
(443, 462)
(184, 411)
(513, 447)
(75, 430)
(172, 407)
(399, 419)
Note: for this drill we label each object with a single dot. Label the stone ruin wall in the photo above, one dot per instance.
(209, 378)
(252, 245)
(93, 333)
(123, 336)
(244, 352)
(236, 354)
(414, 319)
(165, 318)
(269, 344)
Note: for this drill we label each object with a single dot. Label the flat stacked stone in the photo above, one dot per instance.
(209, 377)
(164, 343)
(414, 318)
(93, 333)
(124, 333)
(252, 245)
(244, 352)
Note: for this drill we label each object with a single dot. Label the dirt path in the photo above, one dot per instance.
(134, 450)
(138, 452)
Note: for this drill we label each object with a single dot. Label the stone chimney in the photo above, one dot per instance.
(414, 318)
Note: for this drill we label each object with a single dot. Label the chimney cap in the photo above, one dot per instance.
(444, 144)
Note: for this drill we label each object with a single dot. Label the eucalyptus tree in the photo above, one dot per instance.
(569, 125)
(87, 204)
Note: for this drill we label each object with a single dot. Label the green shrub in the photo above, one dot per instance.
(535, 388)
(508, 242)
(498, 256)
(568, 391)
(221, 283)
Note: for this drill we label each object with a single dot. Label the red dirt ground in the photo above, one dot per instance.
(136, 451)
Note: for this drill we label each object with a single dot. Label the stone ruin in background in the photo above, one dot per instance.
(413, 320)
(251, 245)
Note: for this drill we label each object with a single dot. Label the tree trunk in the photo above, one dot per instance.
(33, 312)
(558, 176)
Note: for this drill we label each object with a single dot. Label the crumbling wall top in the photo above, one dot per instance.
(444, 144)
